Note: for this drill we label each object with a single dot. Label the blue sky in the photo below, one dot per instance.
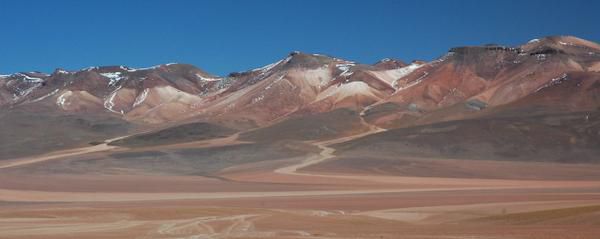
(226, 36)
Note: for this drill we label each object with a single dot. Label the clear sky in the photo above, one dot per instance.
(226, 36)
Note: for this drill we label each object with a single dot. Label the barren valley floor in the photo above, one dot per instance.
(82, 194)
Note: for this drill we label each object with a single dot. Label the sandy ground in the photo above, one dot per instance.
(285, 199)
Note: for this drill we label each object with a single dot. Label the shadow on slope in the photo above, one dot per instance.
(568, 138)
(333, 124)
(177, 134)
(25, 133)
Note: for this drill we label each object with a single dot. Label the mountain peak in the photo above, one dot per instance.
(389, 63)
(569, 44)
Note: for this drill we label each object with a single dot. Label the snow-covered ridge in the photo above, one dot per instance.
(91, 68)
(268, 67)
(114, 77)
(63, 72)
(25, 85)
(328, 56)
(386, 60)
(143, 69)
(150, 68)
(129, 69)
(202, 78)
(28, 78)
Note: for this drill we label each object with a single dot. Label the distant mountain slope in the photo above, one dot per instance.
(477, 78)
(303, 92)
(559, 122)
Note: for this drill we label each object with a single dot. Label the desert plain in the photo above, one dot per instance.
(89, 192)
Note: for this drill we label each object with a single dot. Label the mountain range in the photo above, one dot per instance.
(537, 101)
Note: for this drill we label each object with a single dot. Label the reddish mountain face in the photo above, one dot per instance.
(470, 79)
(119, 90)
(463, 83)
(173, 92)
(389, 64)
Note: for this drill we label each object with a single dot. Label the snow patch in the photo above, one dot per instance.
(149, 68)
(345, 68)
(62, 99)
(268, 67)
(143, 69)
(109, 103)
(29, 78)
(91, 68)
(45, 96)
(30, 84)
(534, 40)
(202, 78)
(114, 77)
(24, 92)
(553, 82)
(141, 97)
(565, 43)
